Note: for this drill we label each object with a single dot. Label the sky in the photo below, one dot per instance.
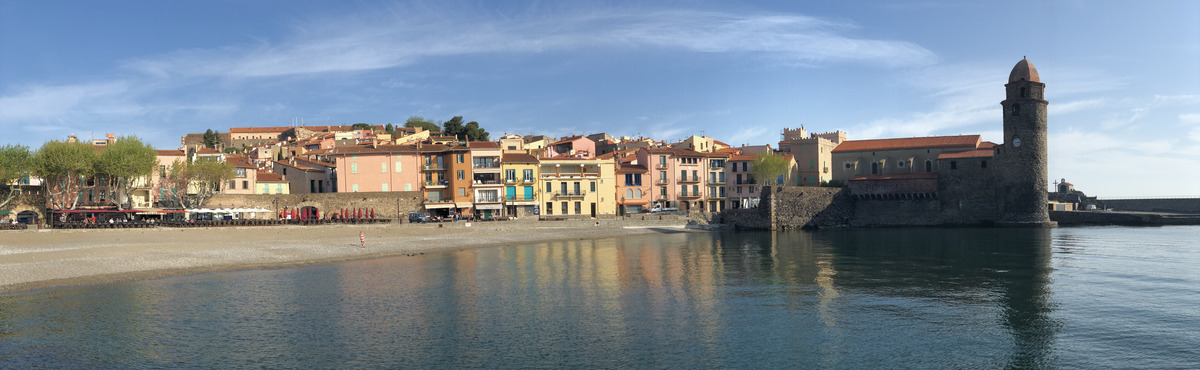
(1122, 78)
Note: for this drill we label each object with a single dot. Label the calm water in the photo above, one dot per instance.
(1100, 297)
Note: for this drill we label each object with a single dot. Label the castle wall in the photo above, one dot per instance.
(394, 205)
(1179, 205)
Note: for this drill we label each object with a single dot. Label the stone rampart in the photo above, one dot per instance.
(392, 204)
(1177, 205)
(795, 207)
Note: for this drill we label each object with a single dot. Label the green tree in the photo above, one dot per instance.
(418, 121)
(767, 167)
(126, 163)
(389, 129)
(190, 184)
(63, 166)
(475, 133)
(363, 126)
(14, 166)
(454, 127)
(211, 138)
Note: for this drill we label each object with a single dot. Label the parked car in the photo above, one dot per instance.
(415, 217)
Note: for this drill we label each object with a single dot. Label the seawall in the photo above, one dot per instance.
(1177, 205)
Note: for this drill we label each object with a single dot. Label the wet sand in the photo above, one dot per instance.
(34, 259)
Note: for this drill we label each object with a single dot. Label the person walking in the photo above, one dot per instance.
(362, 239)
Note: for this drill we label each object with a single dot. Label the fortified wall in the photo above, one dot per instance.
(392, 204)
(1179, 205)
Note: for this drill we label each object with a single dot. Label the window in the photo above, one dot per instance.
(662, 192)
(662, 176)
(549, 208)
(662, 161)
(739, 190)
(528, 193)
(696, 190)
(874, 168)
(847, 165)
(954, 165)
(928, 166)
(385, 187)
(462, 192)
(578, 207)
(563, 186)
(458, 158)
(353, 167)
(461, 175)
(812, 163)
(549, 187)
(245, 185)
(312, 186)
(1016, 110)
(278, 188)
(683, 175)
(565, 209)
(751, 189)
(683, 190)
(900, 164)
(593, 187)
(744, 166)
(739, 178)
(162, 171)
(285, 171)
(510, 175)
(397, 166)
(528, 175)
(383, 167)
(628, 193)
(983, 164)
(577, 188)
(354, 188)
(1024, 92)
(233, 184)
(694, 176)
(637, 193)
(239, 172)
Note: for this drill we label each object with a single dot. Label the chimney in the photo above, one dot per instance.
(112, 138)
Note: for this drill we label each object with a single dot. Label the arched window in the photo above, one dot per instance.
(928, 165)
(637, 193)
(874, 168)
(629, 194)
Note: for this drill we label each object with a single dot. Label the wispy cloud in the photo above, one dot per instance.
(368, 43)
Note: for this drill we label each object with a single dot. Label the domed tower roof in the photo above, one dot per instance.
(1024, 71)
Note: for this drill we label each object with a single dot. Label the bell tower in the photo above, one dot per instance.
(1023, 156)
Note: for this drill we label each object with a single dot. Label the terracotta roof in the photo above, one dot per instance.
(740, 157)
(896, 176)
(207, 151)
(987, 145)
(718, 142)
(257, 129)
(171, 153)
(730, 151)
(381, 149)
(960, 141)
(239, 162)
(632, 168)
(518, 158)
(676, 151)
(1024, 71)
(978, 153)
(264, 176)
(483, 145)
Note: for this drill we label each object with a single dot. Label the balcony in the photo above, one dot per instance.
(689, 179)
(661, 166)
(689, 196)
(438, 200)
(487, 199)
(520, 198)
(716, 181)
(437, 184)
(663, 181)
(570, 195)
(716, 196)
(510, 181)
(527, 180)
(434, 168)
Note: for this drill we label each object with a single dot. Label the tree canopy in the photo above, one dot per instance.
(767, 167)
(190, 184)
(15, 162)
(211, 138)
(468, 132)
(124, 163)
(418, 121)
(63, 165)
(363, 126)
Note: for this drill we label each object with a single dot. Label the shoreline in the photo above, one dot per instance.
(36, 259)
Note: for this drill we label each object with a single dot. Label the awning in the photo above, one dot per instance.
(438, 206)
(489, 206)
(5, 213)
(463, 205)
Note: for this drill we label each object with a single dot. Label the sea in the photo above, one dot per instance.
(926, 298)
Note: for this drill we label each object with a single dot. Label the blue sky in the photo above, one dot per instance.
(1123, 79)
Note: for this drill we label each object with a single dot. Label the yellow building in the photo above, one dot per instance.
(577, 188)
(271, 183)
(520, 174)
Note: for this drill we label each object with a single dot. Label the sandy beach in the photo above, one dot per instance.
(34, 259)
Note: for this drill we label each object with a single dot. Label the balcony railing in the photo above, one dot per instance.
(570, 194)
(660, 165)
(487, 200)
(521, 198)
(527, 180)
(689, 179)
(716, 181)
(435, 168)
(689, 195)
(487, 182)
(485, 166)
(662, 181)
(510, 181)
(437, 184)
(438, 200)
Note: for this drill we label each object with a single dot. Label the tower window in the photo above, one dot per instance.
(982, 164)
(1016, 109)
(1024, 92)
(954, 165)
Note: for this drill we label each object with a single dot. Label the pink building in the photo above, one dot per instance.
(574, 146)
(378, 168)
(678, 177)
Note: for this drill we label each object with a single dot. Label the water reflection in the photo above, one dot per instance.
(852, 298)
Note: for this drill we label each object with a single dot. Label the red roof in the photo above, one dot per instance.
(978, 153)
(739, 157)
(517, 158)
(207, 151)
(171, 153)
(264, 176)
(960, 141)
(483, 145)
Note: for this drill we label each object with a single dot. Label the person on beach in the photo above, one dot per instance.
(362, 239)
